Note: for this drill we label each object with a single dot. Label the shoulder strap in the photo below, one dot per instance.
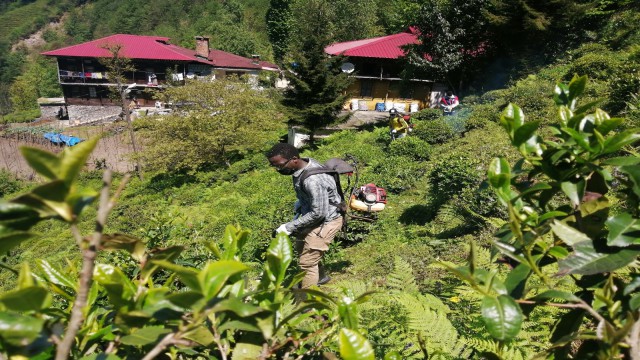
(323, 170)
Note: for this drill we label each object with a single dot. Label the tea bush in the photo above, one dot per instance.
(396, 173)
(410, 146)
(8, 183)
(597, 65)
(434, 131)
(451, 176)
(480, 115)
(427, 114)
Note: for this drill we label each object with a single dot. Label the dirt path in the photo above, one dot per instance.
(112, 150)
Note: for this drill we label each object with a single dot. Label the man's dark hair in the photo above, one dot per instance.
(285, 150)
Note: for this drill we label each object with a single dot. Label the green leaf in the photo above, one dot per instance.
(580, 138)
(516, 279)
(556, 294)
(185, 299)
(187, 275)
(535, 188)
(576, 88)
(54, 276)
(128, 243)
(25, 278)
(525, 132)
(502, 316)
(14, 216)
(168, 254)
(499, 173)
(19, 330)
(550, 215)
(634, 302)
(512, 118)
(11, 240)
(348, 310)
(561, 95)
(565, 114)
(634, 175)
(213, 277)
(586, 260)
(32, 298)
(78, 201)
(568, 234)
(394, 355)
(49, 200)
(620, 140)
(246, 351)
(558, 252)
(279, 257)
(201, 335)
(119, 288)
(43, 162)
(354, 346)
(101, 357)
(622, 161)
(575, 191)
(624, 230)
(145, 335)
(74, 158)
(609, 125)
(632, 286)
(238, 307)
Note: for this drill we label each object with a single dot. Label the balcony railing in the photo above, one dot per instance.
(139, 77)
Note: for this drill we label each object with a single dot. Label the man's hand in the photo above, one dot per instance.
(283, 229)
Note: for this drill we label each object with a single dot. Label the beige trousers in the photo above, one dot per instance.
(311, 246)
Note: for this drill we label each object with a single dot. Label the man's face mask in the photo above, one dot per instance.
(285, 171)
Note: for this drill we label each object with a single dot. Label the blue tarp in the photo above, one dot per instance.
(57, 138)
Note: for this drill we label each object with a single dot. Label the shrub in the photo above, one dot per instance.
(427, 114)
(21, 116)
(396, 173)
(410, 146)
(434, 131)
(450, 177)
(480, 115)
(597, 65)
(8, 183)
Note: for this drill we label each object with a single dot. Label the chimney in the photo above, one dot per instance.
(255, 59)
(202, 47)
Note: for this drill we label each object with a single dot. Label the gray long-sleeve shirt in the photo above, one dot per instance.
(315, 199)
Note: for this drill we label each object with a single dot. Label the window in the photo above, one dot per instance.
(366, 87)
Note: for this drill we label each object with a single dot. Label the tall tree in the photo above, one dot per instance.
(452, 34)
(220, 121)
(278, 26)
(117, 67)
(317, 91)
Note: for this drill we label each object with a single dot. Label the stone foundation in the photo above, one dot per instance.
(81, 114)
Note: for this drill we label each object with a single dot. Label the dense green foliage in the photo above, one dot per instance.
(317, 85)
(219, 122)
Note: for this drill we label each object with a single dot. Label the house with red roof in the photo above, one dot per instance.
(84, 79)
(376, 65)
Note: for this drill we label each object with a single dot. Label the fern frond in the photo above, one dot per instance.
(402, 278)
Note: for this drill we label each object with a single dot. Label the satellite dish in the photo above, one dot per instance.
(347, 68)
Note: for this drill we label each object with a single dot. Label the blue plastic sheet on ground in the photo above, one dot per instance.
(57, 138)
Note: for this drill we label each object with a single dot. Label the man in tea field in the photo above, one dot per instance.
(317, 217)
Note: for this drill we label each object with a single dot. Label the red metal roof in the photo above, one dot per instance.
(383, 47)
(156, 48)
